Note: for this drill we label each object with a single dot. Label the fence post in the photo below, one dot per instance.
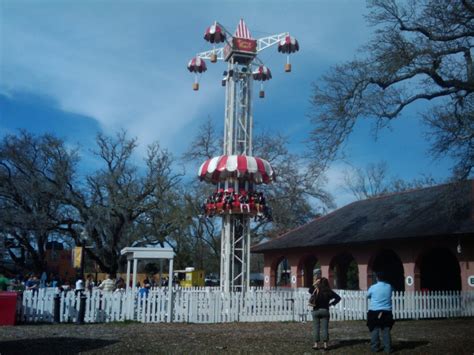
(292, 300)
(171, 296)
(57, 308)
(82, 309)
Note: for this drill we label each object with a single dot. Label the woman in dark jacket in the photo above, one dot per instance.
(324, 298)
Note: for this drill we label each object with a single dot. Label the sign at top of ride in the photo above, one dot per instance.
(243, 48)
(240, 49)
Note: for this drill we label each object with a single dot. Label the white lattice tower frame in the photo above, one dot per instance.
(235, 234)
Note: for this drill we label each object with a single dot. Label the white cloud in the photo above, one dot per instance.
(125, 65)
(335, 184)
(95, 80)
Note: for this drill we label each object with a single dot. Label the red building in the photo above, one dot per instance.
(59, 261)
(420, 239)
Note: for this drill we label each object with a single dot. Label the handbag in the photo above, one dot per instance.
(314, 296)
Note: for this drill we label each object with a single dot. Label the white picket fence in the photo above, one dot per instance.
(209, 305)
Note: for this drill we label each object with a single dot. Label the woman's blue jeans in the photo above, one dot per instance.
(375, 339)
(320, 324)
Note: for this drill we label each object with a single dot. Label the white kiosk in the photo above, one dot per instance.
(136, 254)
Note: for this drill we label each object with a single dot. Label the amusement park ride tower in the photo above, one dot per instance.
(237, 173)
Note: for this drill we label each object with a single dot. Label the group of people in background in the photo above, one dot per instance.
(117, 284)
(77, 285)
(31, 282)
(227, 200)
(379, 315)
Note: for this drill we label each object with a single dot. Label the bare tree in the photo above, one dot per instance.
(35, 172)
(206, 143)
(296, 196)
(203, 233)
(367, 183)
(119, 197)
(421, 50)
(298, 193)
(375, 181)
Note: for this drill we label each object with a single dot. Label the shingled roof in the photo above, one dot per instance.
(443, 210)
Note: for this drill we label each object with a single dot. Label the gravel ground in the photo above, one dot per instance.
(453, 336)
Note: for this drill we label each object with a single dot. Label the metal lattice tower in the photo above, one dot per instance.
(240, 52)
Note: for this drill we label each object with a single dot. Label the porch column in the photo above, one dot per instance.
(170, 293)
(294, 276)
(293, 261)
(466, 257)
(325, 257)
(363, 277)
(325, 270)
(267, 277)
(135, 265)
(411, 279)
(467, 274)
(268, 273)
(128, 275)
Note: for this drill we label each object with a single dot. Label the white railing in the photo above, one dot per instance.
(209, 305)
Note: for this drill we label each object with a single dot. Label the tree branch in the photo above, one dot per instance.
(414, 98)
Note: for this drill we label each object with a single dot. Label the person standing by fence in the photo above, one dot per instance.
(324, 298)
(108, 285)
(4, 282)
(32, 284)
(379, 316)
(89, 283)
(79, 288)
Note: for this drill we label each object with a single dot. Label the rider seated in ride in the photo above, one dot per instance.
(262, 205)
(227, 200)
(211, 204)
(256, 201)
(244, 201)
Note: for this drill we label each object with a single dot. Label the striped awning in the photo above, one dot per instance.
(242, 30)
(243, 167)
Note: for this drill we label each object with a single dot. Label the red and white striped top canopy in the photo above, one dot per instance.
(262, 73)
(288, 44)
(197, 65)
(253, 169)
(214, 34)
(242, 30)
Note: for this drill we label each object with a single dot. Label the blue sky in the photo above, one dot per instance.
(75, 68)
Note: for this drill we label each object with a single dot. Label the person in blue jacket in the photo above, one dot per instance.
(379, 316)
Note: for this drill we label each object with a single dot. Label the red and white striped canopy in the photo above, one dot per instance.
(262, 73)
(242, 30)
(288, 44)
(214, 34)
(219, 168)
(197, 65)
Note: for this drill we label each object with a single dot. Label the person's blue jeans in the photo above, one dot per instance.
(320, 325)
(375, 339)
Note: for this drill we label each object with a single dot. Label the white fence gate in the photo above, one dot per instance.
(209, 305)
